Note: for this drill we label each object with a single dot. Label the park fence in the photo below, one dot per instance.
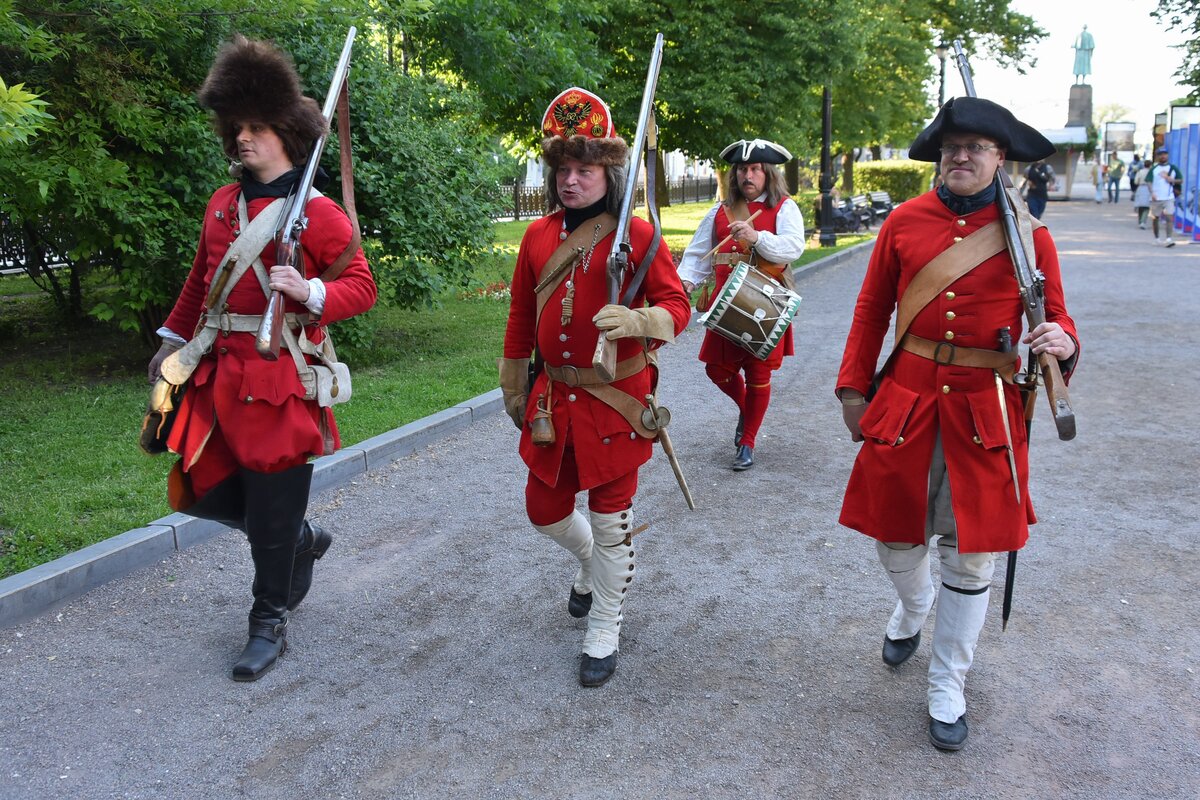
(526, 202)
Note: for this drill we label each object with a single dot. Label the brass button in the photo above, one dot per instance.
(962, 223)
(949, 335)
(950, 315)
(957, 238)
(976, 439)
(945, 390)
(900, 440)
(949, 295)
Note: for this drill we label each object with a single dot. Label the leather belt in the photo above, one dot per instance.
(249, 323)
(948, 354)
(586, 376)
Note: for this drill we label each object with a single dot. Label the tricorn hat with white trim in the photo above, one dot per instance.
(756, 151)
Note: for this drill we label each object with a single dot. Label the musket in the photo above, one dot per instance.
(604, 360)
(1030, 279)
(293, 221)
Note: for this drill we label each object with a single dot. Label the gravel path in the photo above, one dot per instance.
(435, 658)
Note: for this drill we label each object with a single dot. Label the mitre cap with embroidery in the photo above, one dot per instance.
(252, 80)
(976, 115)
(756, 151)
(579, 125)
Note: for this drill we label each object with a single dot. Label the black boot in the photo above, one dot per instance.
(224, 503)
(744, 459)
(275, 507)
(314, 541)
(737, 432)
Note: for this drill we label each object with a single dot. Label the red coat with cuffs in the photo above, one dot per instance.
(716, 349)
(887, 494)
(605, 445)
(260, 404)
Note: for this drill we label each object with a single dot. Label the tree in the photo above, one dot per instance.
(1184, 15)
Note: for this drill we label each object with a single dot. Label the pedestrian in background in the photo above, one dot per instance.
(1141, 193)
(1115, 172)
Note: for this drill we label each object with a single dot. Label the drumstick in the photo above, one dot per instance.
(726, 240)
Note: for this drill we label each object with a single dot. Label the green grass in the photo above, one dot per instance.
(71, 473)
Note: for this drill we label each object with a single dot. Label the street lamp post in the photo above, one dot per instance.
(828, 238)
(942, 51)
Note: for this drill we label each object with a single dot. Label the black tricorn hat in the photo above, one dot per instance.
(251, 80)
(976, 115)
(756, 151)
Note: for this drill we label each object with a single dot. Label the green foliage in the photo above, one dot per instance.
(22, 113)
(1184, 15)
(902, 180)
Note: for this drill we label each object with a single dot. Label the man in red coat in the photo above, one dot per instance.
(577, 432)
(245, 428)
(770, 241)
(944, 432)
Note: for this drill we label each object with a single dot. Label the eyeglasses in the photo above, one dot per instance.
(973, 149)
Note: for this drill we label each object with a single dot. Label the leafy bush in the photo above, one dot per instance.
(902, 180)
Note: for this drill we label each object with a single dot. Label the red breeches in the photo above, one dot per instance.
(546, 504)
(752, 394)
(216, 463)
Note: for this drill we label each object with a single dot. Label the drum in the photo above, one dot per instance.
(752, 311)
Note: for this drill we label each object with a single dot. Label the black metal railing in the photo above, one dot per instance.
(525, 202)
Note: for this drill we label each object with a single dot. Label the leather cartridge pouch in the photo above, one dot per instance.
(328, 380)
(160, 416)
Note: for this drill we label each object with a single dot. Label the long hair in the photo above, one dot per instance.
(614, 174)
(776, 187)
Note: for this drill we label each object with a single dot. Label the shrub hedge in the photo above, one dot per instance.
(902, 180)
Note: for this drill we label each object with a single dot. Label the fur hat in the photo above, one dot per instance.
(253, 81)
(976, 115)
(756, 151)
(578, 125)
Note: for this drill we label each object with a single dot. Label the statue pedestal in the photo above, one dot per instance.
(1079, 110)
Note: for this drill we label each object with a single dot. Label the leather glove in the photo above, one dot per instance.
(514, 380)
(155, 368)
(624, 323)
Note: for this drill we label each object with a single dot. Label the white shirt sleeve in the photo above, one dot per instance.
(316, 296)
(787, 243)
(691, 268)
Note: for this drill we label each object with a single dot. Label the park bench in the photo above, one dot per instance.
(882, 203)
(860, 206)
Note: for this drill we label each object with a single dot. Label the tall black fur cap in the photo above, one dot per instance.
(976, 115)
(251, 80)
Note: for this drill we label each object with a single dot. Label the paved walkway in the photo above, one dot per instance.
(434, 657)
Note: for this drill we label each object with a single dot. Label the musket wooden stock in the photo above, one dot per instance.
(292, 221)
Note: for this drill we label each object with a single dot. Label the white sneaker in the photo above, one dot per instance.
(1170, 242)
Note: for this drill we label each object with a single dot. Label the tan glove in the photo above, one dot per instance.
(514, 380)
(625, 323)
(155, 368)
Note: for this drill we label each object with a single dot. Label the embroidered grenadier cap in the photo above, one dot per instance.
(251, 80)
(976, 115)
(756, 151)
(579, 125)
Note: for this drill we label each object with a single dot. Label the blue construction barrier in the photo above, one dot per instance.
(1184, 146)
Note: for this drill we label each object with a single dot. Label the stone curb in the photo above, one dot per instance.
(48, 586)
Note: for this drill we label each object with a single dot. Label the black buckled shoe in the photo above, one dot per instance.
(744, 459)
(314, 541)
(897, 651)
(596, 671)
(948, 735)
(578, 605)
(268, 640)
